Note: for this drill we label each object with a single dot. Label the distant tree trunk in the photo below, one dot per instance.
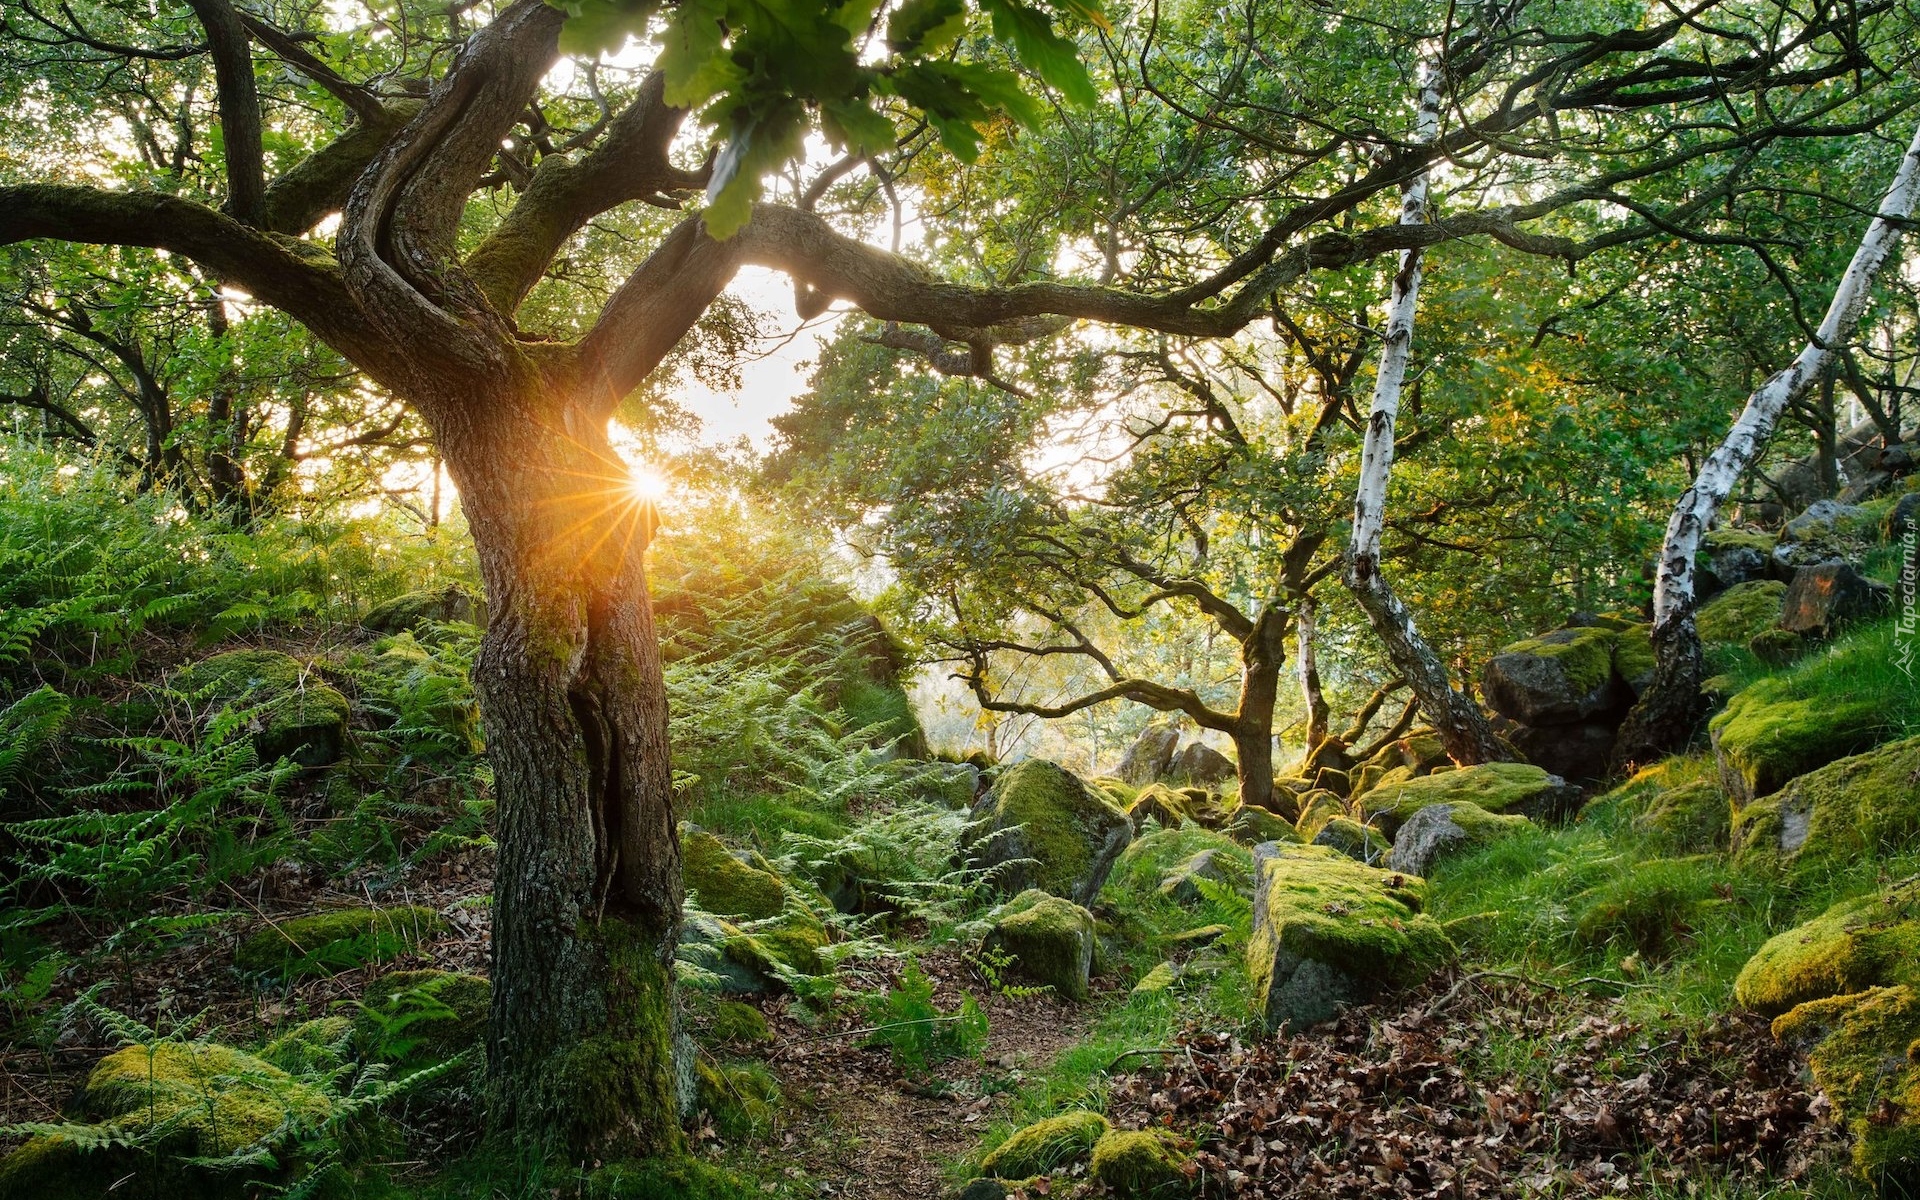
(1671, 709)
(1263, 654)
(1307, 665)
(1462, 727)
(571, 691)
(226, 473)
(1827, 432)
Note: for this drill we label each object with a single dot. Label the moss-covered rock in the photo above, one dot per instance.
(1317, 807)
(1164, 863)
(1736, 615)
(1327, 779)
(1141, 1163)
(732, 1021)
(1040, 827)
(1731, 557)
(1329, 932)
(342, 939)
(1864, 1060)
(1561, 676)
(742, 1099)
(1160, 804)
(1250, 826)
(419, 1017)
(1362, 843)
(1162, 977)
(1440, 829)
(1855, 808)
(1868, 941)
(317, 1045)
(1045, 1146)
(1049, 939)
(415, 611)
(1512, 788)
(163, 1106)
(723, 883)
(1633, 659)
(295, 714)
(1769, 733)
(792, 942)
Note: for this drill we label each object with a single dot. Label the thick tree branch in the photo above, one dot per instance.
(239, 106)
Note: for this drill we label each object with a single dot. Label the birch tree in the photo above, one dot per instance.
(1462, 727)
(1670, 710)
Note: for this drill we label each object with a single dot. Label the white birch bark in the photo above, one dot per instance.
(1673, 586)
(1461, 725)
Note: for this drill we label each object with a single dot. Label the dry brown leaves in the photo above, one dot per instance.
(1515, 1097)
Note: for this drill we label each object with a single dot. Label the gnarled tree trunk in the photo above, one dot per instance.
(587, 895)
(1263, 655)
(1670, 710)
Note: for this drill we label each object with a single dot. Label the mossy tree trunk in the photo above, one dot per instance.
(587, 895)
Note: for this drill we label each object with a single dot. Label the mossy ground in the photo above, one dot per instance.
(330, 942)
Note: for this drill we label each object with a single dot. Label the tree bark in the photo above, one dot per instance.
(1462, 727)
(1669, 712)
(587, 895)
(1263, 655)
(1307, 663)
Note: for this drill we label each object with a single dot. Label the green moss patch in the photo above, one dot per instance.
(1046, 1146)
(296, 714)
(419, 1017)
(721, 883)
(1865, 1062)
(1328, 931)
(1737, 615)
(741, 1100)
(1859, 807)
(1141, 1163)
(341, 940)
(1865, 942)
(1513, 788)
(166, 1105)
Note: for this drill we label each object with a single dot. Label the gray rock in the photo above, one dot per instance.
(1728, 560)
(1822, 599)
(1198, 762)
(1579, 752)
(703, 943)
(1440, 829)
(1902, 519)
(1822, 519)
(1150, 756)
(1562, 676)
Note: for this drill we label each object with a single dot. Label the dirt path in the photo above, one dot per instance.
(866, 1133)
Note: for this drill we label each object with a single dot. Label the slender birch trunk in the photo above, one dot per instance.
(1672, 707)
(1462, 727)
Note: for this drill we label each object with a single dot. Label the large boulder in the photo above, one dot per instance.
(1737, 615)
(1824, 519)
(1329, 932)
(1147, 760)
(293, 712)
(1513, 788)
(1167, 862)
(1560, 677)
(1731, 557)
(1040, 827)
(156, 1115)
(1200, 763)
(1770, 732)
(1856, 808)
(1441, 829)
(1048, 940)
(1822, 599)
(1250, 826)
